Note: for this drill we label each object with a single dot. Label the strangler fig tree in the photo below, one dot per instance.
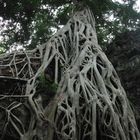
(66, 89)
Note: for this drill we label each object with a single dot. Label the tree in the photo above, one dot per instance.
(87, 99)
(30, 22)
(124, 54)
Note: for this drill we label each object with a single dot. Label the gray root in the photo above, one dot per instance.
(90, 103)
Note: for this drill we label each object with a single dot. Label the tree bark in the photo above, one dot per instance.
(89, 103)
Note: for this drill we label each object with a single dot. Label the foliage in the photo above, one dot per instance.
(90, 103)
(45, 83)
(32, 22)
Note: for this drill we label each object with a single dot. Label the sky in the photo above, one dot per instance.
(137, 6)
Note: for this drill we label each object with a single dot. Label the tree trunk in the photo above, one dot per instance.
(65, 89)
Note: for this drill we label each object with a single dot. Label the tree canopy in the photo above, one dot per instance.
(31, 22)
